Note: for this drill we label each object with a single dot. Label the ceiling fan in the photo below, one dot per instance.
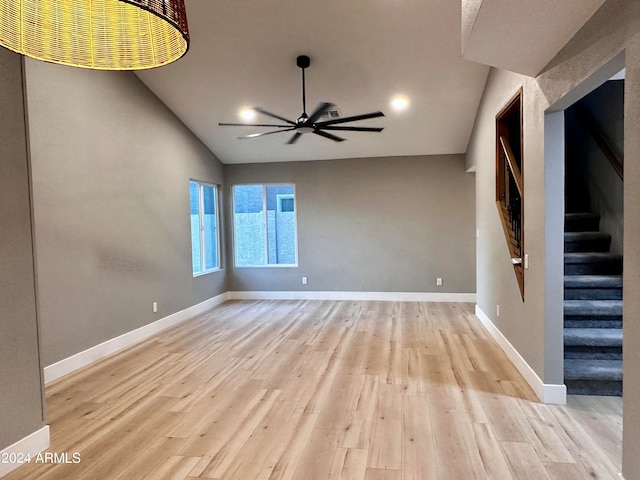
(309, 123)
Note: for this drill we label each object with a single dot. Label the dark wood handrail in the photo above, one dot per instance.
(589, 125)
(515, 171)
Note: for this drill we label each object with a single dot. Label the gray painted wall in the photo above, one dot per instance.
(111, 168)
(606, 190)
(21, 399)
(375, 225)
(591, 56)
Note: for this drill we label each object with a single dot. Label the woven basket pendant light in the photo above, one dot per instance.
(98, 34)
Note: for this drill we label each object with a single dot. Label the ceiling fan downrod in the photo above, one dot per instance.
(303, 62)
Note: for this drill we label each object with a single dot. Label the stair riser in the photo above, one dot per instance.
(582, 225)
(599, 268)
(585, 314)
(594, 344)
(594, 387)
(588, 246)
(581, 322)
(593, 294)
(577, 206)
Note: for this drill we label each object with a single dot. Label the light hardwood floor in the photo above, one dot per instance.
(313, 390)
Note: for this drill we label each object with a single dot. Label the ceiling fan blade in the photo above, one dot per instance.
(351, 129)
(319, 111)
(253, 125)
(294, 138)
(255, 135)
(264, 112)
(351, 119)
(328, 135)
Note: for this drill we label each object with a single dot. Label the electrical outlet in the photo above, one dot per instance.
(304, 280)
(155, 307)
(439, 281)
(498, 310)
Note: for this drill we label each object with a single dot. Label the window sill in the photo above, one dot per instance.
(290, 265)
(213, 270)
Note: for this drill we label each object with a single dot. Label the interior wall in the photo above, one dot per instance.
(111, 168)
(391, 224)
(615, 28)
(520, 321)
(604, 186)
(21, 398)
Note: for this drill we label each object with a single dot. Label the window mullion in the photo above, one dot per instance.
(203, 249)
(266, 224)
(216, 207)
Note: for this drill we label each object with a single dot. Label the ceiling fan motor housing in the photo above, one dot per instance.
(303, 61)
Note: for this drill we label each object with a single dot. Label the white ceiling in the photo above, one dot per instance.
(521, 35)
(363, 52)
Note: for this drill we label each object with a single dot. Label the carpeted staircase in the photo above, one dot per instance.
(592, 309)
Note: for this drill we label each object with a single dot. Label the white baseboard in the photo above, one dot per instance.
(84, 358)
(30, 445)
(369, 296)
(547, 393)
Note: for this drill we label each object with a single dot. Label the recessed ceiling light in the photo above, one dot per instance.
(399, 103)
(247, 114)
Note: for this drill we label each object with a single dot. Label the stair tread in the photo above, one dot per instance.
(580, 236)
(591, 257)
(601, 308)
(593, 281)
(593, 303)
(580, 215)
(594, 337)
(593, 369)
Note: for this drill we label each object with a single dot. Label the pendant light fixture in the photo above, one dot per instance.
(97, 34)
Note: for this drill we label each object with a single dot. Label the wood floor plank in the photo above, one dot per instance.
(419, 460)
(349, 464)
(523, 461)
(585, 448)
(283, 459)
(360, 414)
(485, 452)
(393, 367)
(318, 456)
(234, 440)
(380, 474)
(173, 468)
(256, 449)
(322, 390)
(386, 437)
(601, 418)
(571, 471)
(452, 457)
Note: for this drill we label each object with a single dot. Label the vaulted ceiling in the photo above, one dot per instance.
(363, 54)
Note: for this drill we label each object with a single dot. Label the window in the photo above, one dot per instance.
(205, 242)
(264, 225)
(285, 203)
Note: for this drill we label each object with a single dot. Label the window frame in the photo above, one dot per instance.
(265, 223)
(201, 213)
(510, 181)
